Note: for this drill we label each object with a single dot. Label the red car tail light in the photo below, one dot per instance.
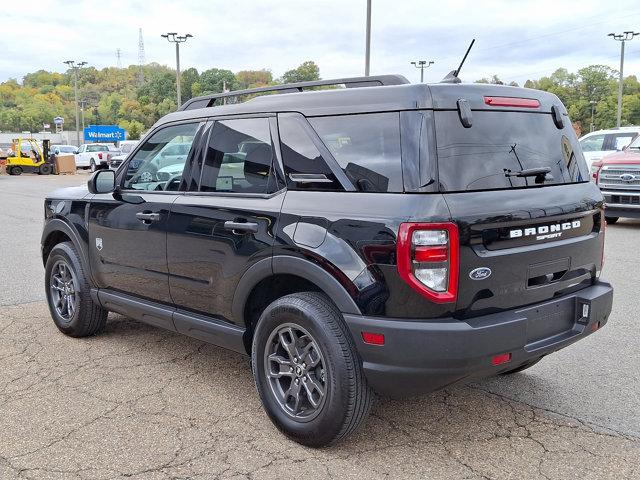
(100, 156)
(428, 259)
(595, 171)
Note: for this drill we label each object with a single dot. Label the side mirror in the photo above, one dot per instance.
(76, 152)
(102, 181)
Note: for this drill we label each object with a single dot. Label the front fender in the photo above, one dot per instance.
(55, 225)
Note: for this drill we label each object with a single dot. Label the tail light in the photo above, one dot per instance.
(428, 259)
(595, 171)
(100, 156)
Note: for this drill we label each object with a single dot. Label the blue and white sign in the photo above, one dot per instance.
(104, 133)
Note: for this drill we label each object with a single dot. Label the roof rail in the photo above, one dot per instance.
(353, 82)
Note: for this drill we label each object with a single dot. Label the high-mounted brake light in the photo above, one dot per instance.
(428, 259)
(512, 102)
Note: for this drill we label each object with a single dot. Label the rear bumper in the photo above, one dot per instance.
(422, 356)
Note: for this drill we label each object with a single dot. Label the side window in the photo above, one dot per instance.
(301, 156)
(367, 147)
(149, 169)
(239, 157)
(592, 144)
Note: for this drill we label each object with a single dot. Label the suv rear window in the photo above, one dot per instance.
(479, 157)
(367, 148)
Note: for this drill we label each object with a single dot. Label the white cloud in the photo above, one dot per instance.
(516, 40)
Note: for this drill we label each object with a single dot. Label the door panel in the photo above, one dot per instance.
(129, 244)
(206, 257)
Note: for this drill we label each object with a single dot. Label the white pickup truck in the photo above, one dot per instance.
(93, 156)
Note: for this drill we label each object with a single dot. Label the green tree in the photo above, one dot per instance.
(187, 79)
(306, 72)
(214, 79)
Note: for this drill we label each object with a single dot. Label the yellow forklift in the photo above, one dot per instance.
(28, 157)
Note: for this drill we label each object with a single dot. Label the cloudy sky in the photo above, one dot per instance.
(516, 40)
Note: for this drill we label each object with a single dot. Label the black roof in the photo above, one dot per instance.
(365, 99)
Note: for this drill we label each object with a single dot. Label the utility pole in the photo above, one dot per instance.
(367, 50)
(622, 38)
(173, 37)
(76, 66)
(422, 64)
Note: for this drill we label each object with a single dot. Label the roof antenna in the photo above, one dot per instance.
(452, 76)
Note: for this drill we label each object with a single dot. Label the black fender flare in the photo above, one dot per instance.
(58, 225)
(283, 264)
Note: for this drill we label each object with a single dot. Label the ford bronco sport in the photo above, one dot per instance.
(352, 236)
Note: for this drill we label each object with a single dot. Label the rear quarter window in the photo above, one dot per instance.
(367, 148)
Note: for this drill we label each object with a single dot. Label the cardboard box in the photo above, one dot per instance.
(65, 164)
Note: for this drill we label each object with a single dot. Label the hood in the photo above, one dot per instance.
(626, 156)
(69, 193)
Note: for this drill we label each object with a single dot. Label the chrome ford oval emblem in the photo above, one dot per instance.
(480, 273)
(627, 177)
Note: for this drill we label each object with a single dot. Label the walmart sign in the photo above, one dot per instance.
(104, 133)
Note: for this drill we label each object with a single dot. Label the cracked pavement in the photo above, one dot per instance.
(138, 402)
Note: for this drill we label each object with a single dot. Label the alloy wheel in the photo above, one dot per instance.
(64, 290)
(295, 369)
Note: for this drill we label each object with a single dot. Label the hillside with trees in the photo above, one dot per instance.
(135, 101)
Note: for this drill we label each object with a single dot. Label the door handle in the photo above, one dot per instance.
(241, 226)
(148, 217)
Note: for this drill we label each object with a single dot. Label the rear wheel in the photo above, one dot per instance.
(68, 294)
(45, 169)
(522, 367)
(611, 220)
(307, 370)
(16, 171)
(92, 165)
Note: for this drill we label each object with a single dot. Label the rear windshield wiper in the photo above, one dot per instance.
(541, 173)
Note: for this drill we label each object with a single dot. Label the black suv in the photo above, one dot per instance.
(352, 236)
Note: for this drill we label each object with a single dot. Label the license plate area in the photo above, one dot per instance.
(550, 320)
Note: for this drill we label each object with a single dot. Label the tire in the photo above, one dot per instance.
(334, 366)
(611, 220)
(86, 317)
(9, 170)
(92, 165)
(45, 169)
(16, 171)
(522, 367)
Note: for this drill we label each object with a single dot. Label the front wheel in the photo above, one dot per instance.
(68, 294)
(307, 371)
(611, 220)
(16, 171)
(45, 169)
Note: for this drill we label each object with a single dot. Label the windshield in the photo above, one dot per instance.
(65, 148)
(635, 145)
(501, 149)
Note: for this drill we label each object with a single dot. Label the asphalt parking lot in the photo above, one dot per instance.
(139, 402)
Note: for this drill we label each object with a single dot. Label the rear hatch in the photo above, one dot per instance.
(523, 239)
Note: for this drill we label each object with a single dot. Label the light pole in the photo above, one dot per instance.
(622, 38)
(593, 107)
(76, 66)
(422, 64)
(173, 37)
(367, 48)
